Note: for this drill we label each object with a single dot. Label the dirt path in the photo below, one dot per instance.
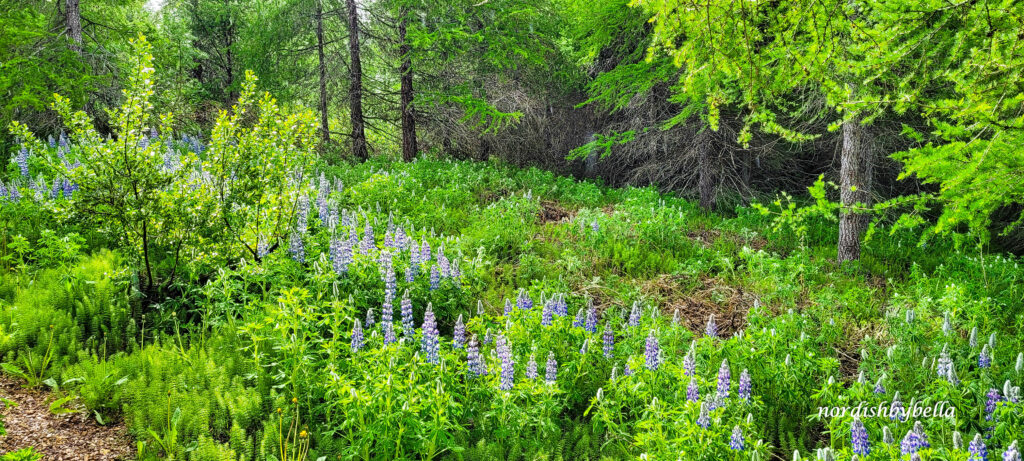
(72, 436)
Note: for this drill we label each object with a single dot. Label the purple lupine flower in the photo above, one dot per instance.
(523, 300)
(634, 314)
(475, 362)
(389, 240)
(261, 248)
(369, 318)
(507, 365)
(1012, 453)
(341, 255)
(609, 341)
(911, 443)
(368, 242)
(896, 411)
(456, 271)
(594, 226)
(386, 311)
(591, 323)
(859, 438)
(435, 278)
(69, 188)
(627, 371)
(14, 192)
(390, 283)
(711, 329)
(704, 419)
(744, 391)
(723, 380)
(22, 160)
(945, 366)
(430, 343)
(993, 399)
(425, 251)
(551, 369)
(736, 442)
(357, 336)
(531, 368)
(459, 336)
(508, 307)
(3, 191)
(985, 358)
(545, 314)
(879, 388)
(692, 391)
(583, 348)
(977, 449)
(410, 273)
(577, 322)
(55, 191)
(401, 240)
(652, 352)
(408, 327)
(297, 247)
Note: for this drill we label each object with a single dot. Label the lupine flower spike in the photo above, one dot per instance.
(551, 369)
(459, 336)
(507, 365)
(357, 336)
(736, 442)
(430, 342)
(711, 329)
(859, 438)
(977, 449)
(531, 368)
(608, 339)
(652, 352)
(744, 391)
(1012, 453)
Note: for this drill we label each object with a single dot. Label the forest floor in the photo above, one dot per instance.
(58, 437)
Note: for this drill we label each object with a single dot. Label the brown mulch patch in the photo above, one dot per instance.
(729, 304)
(552, 212)
(705, 236)
(71, 436)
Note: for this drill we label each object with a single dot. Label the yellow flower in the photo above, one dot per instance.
(302, 434)
(295, 400)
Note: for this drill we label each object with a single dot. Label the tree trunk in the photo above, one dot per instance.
(408, 117)
(74, 23)
(229, 40)
(325, 133)
(855, 187)
(355, 88)
(705, 168)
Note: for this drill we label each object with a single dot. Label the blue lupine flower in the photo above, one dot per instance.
(583, 348)
(579, 319)
(410, 271)
(591, 323)
(56, 191)
(443, 264)
(425, 251)
(984, 359)
(302, 214)
(389, 333)
(992, 400)
(69, 188)
(690, 362)
(369, 242)
(523, 300)
(531, 368)
(634, 314)
(369, 318)
(609, 341)
(401, 239)
(456, 272)
(435, 278)
(430, 341)
(14, 193)
(261, 248)
(3, 191)
(711, 329)
(507, 365)
(879, 388)
(911, 443)
(508, 307)
(474, 361)
(652, 352)
(945, 366)
(594, 226)
(297, 247)
(692, 391)
(390, 282)
(1012, 453)
(896, 411)
(551, 370)
(561, 307)
(977, 449)
(408, 327)
(919, 430)
(545, 314)
(736, 442)
(357, 336)
(337, 251)
(628, 371)
(723, 380)
(744, 391)
(459, 339)
(859, 438)
(704, 419)
(22, 160)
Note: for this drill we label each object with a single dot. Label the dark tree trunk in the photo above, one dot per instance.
(408, 117)
(855, 188)
(325, 132)
(705, 168)
(74, 24)
(229, 40)
(355, 88)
